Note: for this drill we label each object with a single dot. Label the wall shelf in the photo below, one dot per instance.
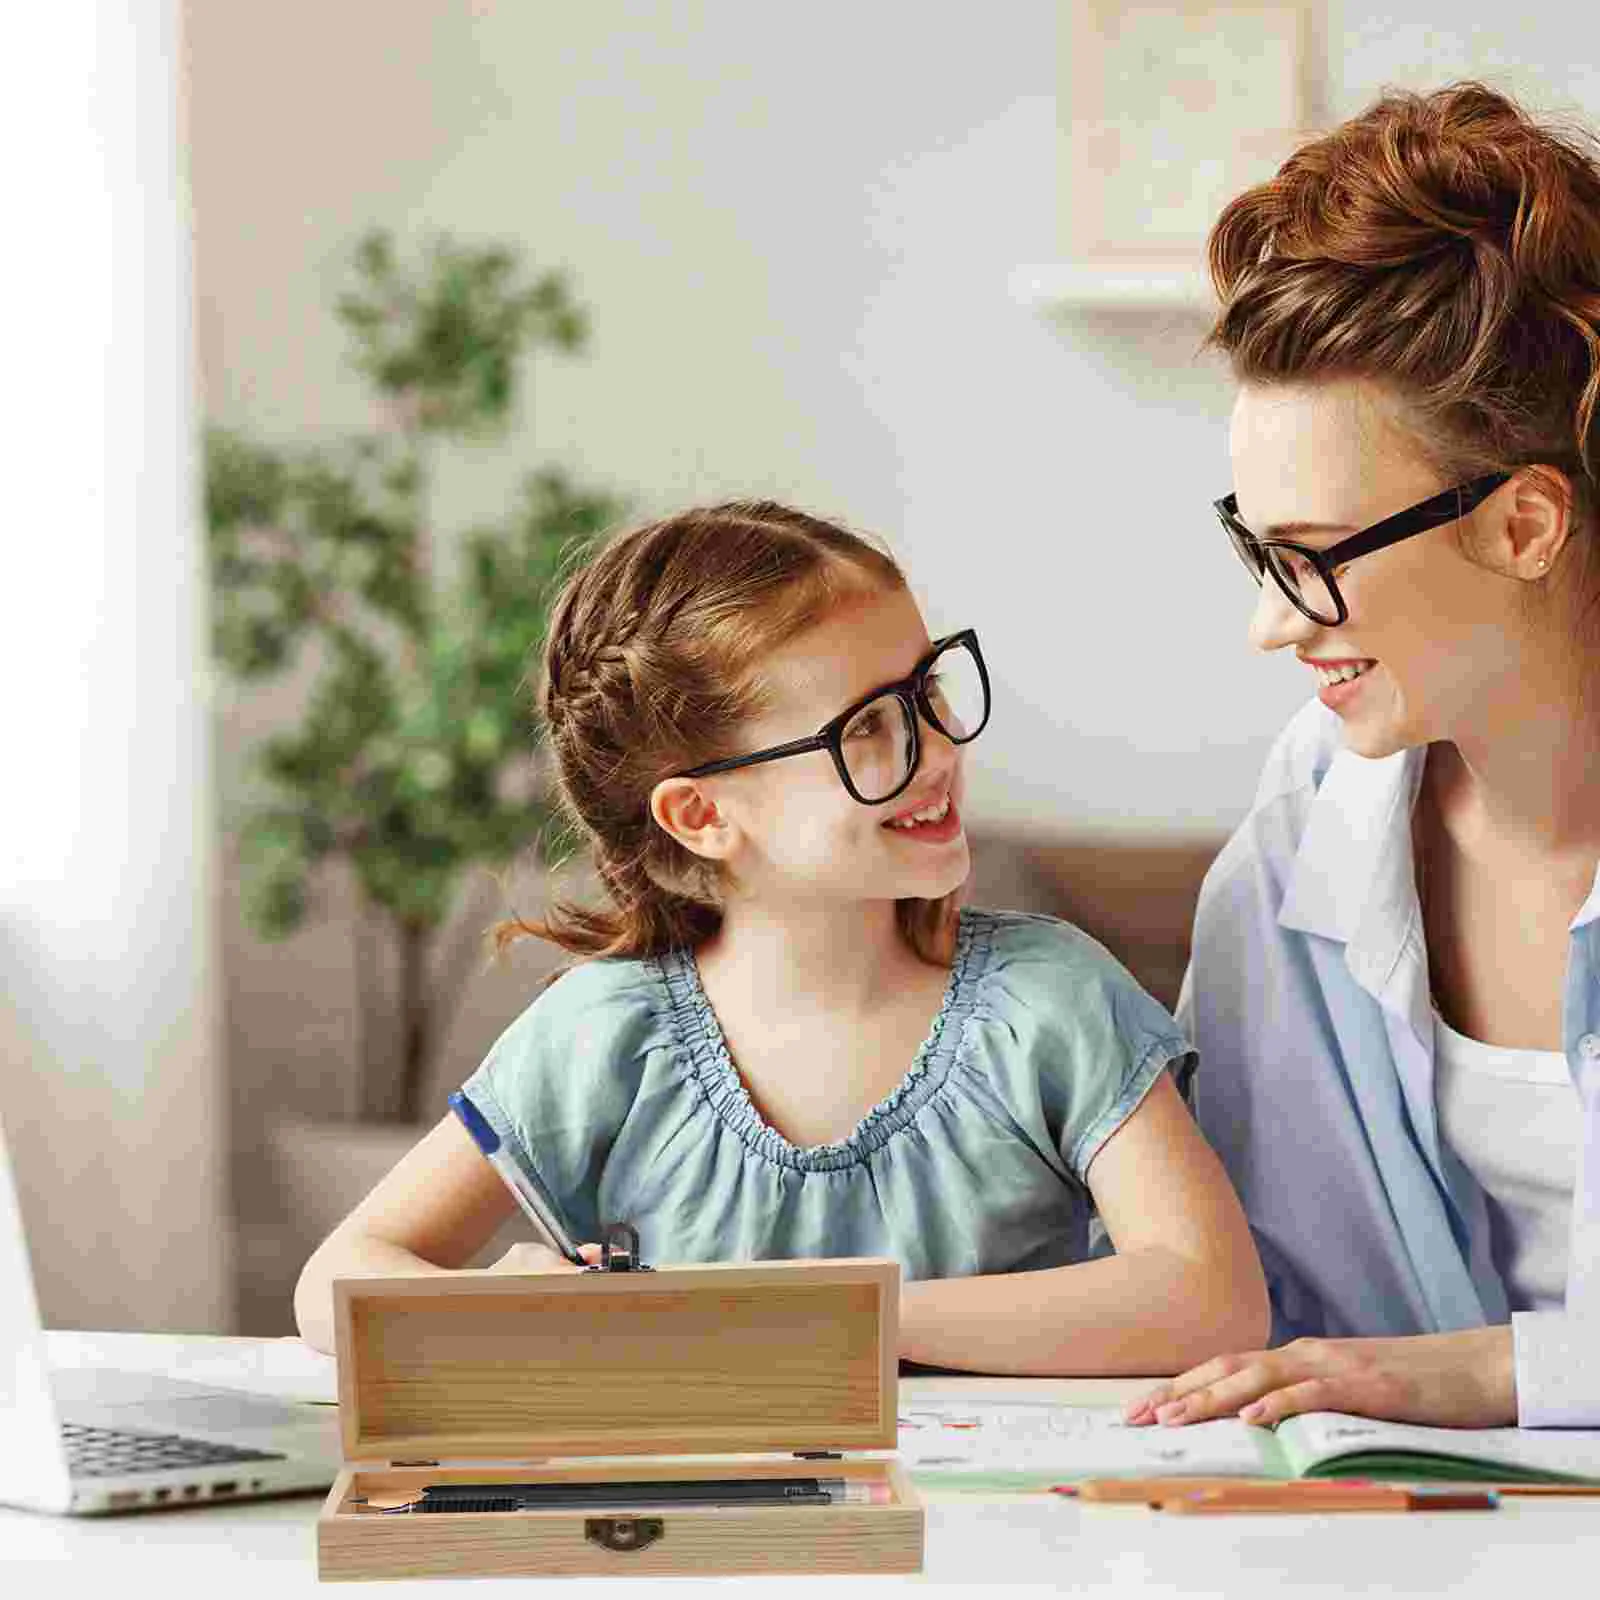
(1111, 285)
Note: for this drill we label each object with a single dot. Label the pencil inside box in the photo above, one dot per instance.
(597, 1378)
(457, 1498)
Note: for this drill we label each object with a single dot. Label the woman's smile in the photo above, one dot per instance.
(1338, 678)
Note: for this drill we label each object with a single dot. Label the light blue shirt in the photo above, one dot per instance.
(1307, 999)
(616, 1091)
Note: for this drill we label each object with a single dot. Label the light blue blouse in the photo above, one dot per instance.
(1307, 998)
(615, 1089)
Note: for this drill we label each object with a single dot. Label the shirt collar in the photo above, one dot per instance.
(1352, 877)
(1590, 910)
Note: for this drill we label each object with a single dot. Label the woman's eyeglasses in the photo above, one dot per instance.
(876, 744)
(1306, 576)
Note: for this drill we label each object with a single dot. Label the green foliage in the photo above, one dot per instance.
(448, 343)
(411, 757)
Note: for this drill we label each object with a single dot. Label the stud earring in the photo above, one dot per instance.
(1543, 563)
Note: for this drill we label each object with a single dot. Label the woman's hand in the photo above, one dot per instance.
(1453, 1380)
(541, 1258)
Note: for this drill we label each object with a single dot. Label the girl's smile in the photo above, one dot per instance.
(929, 822)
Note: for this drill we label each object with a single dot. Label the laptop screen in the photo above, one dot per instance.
(33, 1462)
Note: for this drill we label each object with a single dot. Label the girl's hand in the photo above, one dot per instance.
(541, 1258)
(1455, 1380)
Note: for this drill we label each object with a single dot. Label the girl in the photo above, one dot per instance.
(787, 1041)
(1395, 986)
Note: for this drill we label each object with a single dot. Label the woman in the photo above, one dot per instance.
(1395, 985)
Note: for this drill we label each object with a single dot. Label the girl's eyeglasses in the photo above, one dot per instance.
(1306, 576)
(876, 744)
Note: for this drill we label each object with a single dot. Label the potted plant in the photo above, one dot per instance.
(410, 766)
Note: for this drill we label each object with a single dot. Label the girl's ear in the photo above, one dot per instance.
(682, 808)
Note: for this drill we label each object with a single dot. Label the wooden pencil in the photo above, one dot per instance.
(1311, 1495)
(1151, 1491)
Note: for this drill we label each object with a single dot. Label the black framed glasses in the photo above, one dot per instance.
(1306, 576)
(876, 744)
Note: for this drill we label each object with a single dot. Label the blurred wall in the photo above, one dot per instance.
(108, 1062)
(795, 227)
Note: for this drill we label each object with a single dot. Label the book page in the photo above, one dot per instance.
(1034, 1443)
(1321, 1437)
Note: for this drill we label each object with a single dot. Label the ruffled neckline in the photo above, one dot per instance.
(710, 1064)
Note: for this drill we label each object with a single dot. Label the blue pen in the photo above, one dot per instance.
(535, 1206)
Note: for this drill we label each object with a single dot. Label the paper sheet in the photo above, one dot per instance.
(1042, 1442)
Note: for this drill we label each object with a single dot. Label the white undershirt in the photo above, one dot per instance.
(1514, 1119)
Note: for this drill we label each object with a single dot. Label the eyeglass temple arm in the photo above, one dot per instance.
(1455, 504)
(795, 747)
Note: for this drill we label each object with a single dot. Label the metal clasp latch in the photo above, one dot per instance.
(623, 1533)
(620, 1250)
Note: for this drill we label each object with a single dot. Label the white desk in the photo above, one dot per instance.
(266, 1548)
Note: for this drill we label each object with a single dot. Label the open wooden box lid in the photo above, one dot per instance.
(728, 1359)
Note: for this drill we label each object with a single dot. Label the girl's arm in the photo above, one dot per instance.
(438, 1207)
(1184, 1285)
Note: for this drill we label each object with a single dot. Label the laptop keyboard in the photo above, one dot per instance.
(111, 1452)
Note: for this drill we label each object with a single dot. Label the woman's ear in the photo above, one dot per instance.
(684, 809)
(1527, 534)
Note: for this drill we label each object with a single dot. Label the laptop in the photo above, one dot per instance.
(88, 1440)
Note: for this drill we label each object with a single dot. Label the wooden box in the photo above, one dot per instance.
(685, 1372)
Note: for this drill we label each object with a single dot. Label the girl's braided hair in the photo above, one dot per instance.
(651, 664)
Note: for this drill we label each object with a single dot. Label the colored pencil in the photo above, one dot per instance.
(1151, 1491)
(1310, 1495)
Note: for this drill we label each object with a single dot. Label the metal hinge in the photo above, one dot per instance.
(818, 1455)
(421, 1461)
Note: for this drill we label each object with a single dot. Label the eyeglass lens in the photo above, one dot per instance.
(879, 743)
(1297, 577)
(957, 694)
(1303, 582)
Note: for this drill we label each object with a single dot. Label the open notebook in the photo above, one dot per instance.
(1031, 1444)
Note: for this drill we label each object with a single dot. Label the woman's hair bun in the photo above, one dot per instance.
(1445, 243)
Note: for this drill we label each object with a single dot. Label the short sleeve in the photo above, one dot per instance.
(1070, 1037)
(561, 1081)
